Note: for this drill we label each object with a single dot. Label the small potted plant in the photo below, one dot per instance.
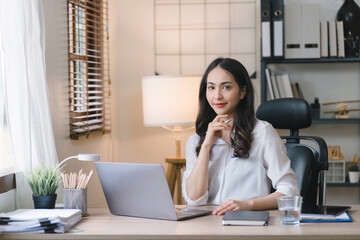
(354, 171)
(44, 183)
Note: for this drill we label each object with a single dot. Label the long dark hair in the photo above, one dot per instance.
(244, 118)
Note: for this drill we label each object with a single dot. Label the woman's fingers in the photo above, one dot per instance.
(220, 118)
(215, 127)
(230, 205)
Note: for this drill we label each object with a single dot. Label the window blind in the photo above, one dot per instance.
(89, 81)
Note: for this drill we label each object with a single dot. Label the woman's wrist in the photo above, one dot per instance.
(206, 147)
(250, 205)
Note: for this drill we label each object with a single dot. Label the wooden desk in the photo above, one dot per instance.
(102, 225)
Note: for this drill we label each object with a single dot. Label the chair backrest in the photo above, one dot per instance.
(308, 163)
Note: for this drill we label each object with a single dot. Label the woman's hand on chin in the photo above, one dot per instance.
(215, 128)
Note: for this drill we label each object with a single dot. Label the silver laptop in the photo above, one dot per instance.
(140, 190)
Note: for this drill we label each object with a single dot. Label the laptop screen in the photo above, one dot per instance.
(139, 190)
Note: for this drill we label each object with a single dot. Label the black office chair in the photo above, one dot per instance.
(309, 164)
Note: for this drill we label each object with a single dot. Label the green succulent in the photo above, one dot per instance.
(44, 182)
(354, 167)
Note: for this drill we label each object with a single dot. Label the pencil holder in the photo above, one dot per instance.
(76, 199)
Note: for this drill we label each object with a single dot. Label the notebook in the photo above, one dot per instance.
(140, 190)
(249, 218)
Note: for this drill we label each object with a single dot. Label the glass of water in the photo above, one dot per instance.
(289, 209)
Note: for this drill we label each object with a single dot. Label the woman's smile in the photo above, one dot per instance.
(219, 105)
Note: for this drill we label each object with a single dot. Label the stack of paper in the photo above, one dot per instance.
(39, 220)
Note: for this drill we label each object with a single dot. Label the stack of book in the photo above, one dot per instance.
(280, 86)
(39, 220)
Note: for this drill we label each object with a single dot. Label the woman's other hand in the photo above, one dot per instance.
(232, 205)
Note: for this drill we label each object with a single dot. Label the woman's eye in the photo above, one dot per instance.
(210, 87)
(227, 87)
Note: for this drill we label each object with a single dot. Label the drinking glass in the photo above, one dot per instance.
(289, 209)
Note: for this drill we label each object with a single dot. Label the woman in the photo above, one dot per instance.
(234, 158)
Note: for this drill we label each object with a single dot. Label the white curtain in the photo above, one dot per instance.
(22, 51)
(2, 106)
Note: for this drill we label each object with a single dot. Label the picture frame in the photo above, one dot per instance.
(334, 153)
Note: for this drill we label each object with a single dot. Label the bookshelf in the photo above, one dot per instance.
(345, 184)
(264, 88)
(329, 79)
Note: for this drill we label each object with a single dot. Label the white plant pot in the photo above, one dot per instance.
(354, 176)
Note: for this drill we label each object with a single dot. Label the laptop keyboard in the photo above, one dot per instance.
(185, 212)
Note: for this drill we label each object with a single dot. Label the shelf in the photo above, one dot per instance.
(336, 121)
(345, 184)
(310, 60)
(266, 61)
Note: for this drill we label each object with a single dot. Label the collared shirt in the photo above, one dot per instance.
(244, 178)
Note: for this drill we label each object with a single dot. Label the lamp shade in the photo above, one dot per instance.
(170, 100)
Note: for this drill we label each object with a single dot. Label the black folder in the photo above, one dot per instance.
(266, 38)
(278, 28)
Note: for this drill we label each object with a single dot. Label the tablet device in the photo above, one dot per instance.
(326, 210)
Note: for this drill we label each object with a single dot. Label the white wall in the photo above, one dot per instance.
(131, 57)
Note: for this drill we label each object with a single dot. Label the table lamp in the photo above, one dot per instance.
(89, 157)
(75, 191)
(171, 102)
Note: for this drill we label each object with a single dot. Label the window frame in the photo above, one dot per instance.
(89, 81)
(7, 183)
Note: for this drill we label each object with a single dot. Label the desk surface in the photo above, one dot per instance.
(102, 225)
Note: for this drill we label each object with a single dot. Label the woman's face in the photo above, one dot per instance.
(222, 92)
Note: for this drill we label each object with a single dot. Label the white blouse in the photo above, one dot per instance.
(243, 179)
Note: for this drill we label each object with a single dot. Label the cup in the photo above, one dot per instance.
(76, 199)
(289, 209)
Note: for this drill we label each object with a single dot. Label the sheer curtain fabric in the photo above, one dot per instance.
(22, 46)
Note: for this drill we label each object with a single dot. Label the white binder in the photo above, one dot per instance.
(310, 25)
(266, 39)
(324, 41)
(292, 29)
(332, 39)
(340, 38)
